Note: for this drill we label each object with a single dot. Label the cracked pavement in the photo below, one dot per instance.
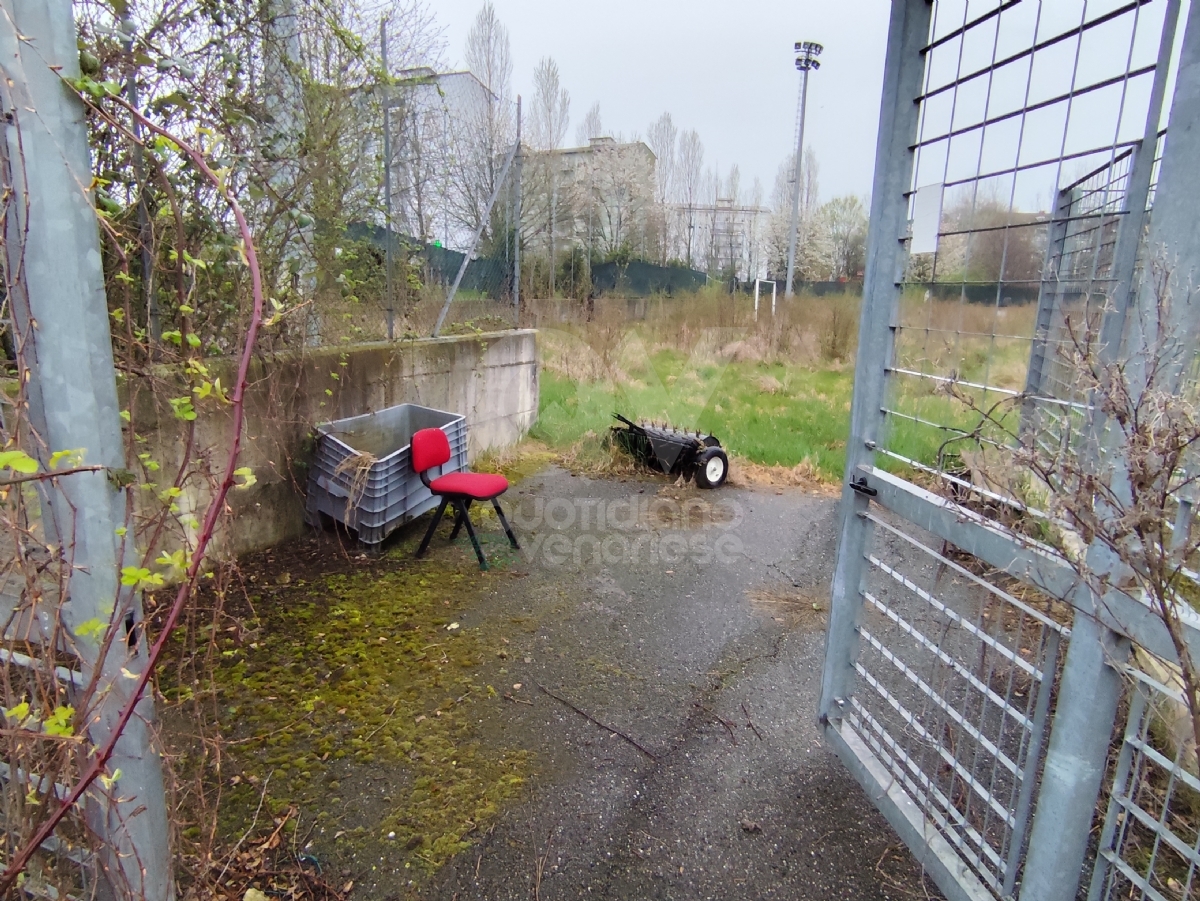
(681, 634)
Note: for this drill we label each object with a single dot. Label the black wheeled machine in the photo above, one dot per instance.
(676, 452)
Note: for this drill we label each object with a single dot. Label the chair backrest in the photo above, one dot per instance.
(430, 448)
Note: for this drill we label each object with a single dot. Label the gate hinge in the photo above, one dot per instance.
(862, 487)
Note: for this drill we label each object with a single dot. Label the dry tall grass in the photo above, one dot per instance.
(974, 341)
(805, 330)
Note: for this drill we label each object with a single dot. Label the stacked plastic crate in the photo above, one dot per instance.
(361, 474)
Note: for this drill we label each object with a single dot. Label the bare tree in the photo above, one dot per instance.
(755, 232)
(551, 107)
(590, 127)
(551, 111)
(620, 178)
(1121, 515)
(814, 252)
(731, 252)
(690, 178)
(733, 184)
(810, 184)
(489, 57)
(488, 53)
(663, 137)
(990, 240)
(710, 192)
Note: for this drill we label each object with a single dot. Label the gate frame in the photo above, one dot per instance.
(899, 116)
(1091, 686)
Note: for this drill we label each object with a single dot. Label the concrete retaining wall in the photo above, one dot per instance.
(492, 378)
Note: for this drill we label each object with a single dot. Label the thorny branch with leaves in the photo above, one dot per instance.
(205, 204)
(1121, 477)
(65, 722)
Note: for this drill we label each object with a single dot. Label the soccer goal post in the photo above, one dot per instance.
(758, 283)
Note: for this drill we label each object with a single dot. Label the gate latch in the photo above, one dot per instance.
(863, 488)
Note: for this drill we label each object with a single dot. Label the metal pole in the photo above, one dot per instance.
(462, 269)
(1050, 296)
(517, 225)
(1174, 241)
(389, 305)
(67, 360)
(795, 228)
(1088, 695)
(904, 69)
(1091, 686)
(1131, 231)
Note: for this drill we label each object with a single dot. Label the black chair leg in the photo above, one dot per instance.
(471, 532)
(504, 522)
(458, 519)
(437, 518)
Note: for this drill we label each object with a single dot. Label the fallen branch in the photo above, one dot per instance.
(262, 797)
(750, 724)
(728, 725)
(591, 719)
(540, 868)
(386, 720)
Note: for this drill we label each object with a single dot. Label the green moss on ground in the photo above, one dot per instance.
(365, 673)
(516, 463)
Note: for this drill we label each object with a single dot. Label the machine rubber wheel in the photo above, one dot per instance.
(712, 468)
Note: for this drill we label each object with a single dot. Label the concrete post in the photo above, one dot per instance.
(54, 271)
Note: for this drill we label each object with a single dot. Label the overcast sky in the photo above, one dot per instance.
(725, 69)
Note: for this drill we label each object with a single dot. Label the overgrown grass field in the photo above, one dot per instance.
(777, 389)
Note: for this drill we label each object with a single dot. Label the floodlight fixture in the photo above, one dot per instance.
(806, 55)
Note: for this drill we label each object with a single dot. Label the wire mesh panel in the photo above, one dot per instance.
(1081, 245)
(1008, 225)
(1031, 116)
(955, 681)
(1150, 847)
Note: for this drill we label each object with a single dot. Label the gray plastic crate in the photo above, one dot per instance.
(389, 494)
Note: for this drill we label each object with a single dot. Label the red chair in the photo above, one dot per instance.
(430, 449)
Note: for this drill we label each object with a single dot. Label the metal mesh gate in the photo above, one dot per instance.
(955, 680)
(972, 682)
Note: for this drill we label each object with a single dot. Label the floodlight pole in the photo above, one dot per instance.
(806, 61)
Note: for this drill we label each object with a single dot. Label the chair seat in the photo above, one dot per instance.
(480, 486)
